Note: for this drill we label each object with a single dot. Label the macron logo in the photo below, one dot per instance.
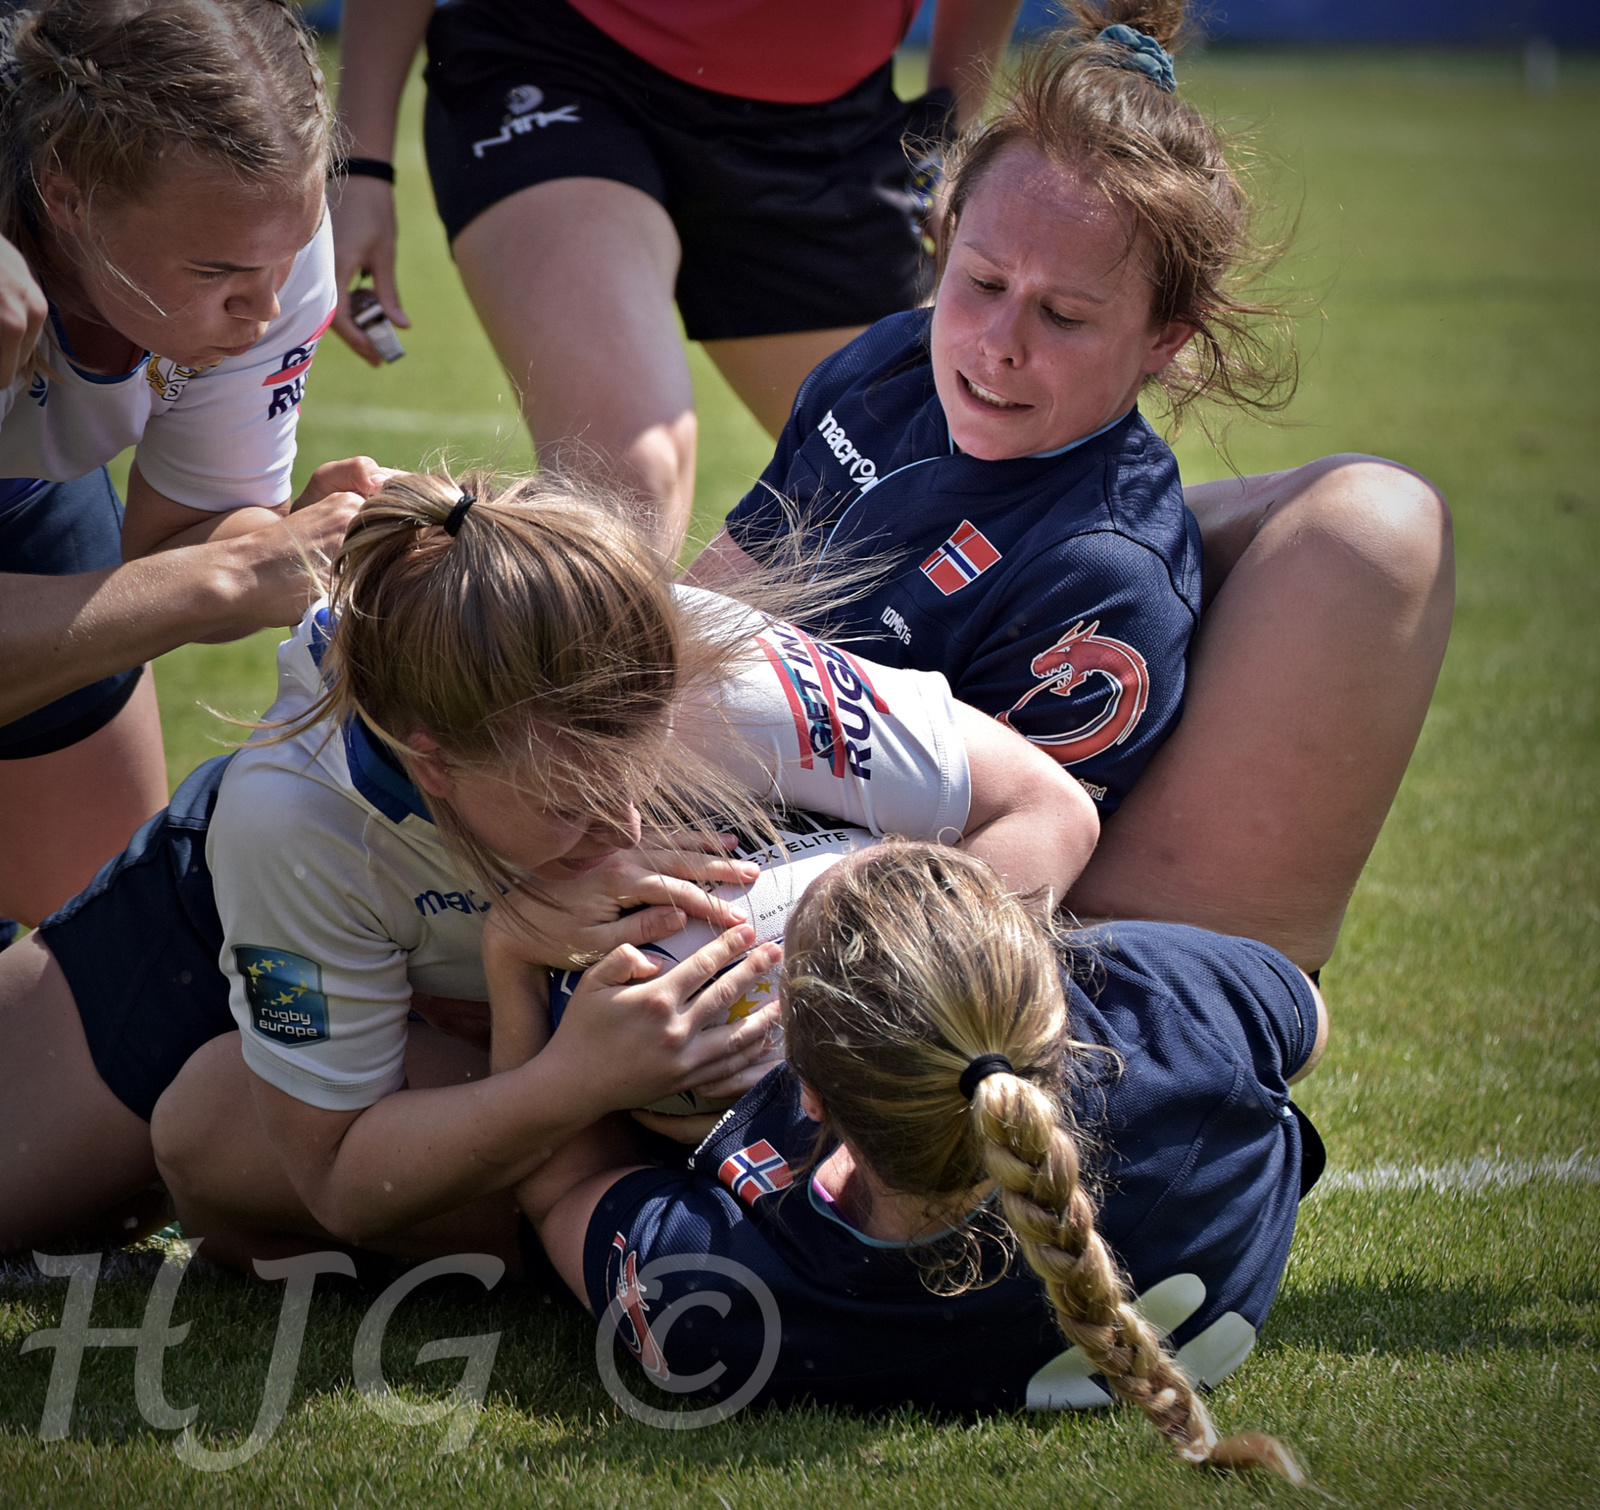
(862, 468)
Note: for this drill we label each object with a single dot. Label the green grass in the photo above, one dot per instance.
(1429, 1348)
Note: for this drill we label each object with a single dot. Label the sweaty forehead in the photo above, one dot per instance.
(1028, 205)
(1023, 176)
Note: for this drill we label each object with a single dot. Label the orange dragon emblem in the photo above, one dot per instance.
(1067, 665)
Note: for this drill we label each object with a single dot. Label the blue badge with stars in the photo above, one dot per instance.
(285, 994)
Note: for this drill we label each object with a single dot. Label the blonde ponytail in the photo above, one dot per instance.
(1033, 1158)
(906, 964)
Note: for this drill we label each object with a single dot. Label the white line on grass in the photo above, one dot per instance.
(1466, 1176)
(1457, 1177)
(410, 421)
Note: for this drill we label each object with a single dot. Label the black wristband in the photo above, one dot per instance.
(361, 167)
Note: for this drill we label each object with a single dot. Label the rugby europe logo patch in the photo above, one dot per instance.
(285, 994)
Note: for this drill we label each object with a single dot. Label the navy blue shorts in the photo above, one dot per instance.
(139, 947)
(56, 529)
(791, 217)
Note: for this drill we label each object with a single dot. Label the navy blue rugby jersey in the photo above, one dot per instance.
(1056, 592)
(1190, 1142)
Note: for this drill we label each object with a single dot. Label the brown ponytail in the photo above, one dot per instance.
(905, 963)
(540, 642)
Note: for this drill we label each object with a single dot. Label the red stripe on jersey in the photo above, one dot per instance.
(285, 374)
(802, 726)
(878, 704)
(318, 333)
(833, 702)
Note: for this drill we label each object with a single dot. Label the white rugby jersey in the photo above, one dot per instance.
(338, 898)
(212, 438)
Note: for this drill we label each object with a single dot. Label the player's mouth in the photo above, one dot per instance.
(987, 398)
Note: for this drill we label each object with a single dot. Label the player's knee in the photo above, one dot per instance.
(1390, 519)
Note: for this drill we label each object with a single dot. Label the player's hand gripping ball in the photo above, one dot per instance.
(806, 845)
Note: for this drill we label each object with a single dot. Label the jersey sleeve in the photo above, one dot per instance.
(1088, 659)
(788, 498)
(229, 440)
(674, 1264)
(811, 725)
(317, 985)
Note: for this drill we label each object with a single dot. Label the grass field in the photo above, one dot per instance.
(1437, 1340)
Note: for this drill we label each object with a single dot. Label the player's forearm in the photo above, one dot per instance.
(1039, 848)
(1030, 820)
(61, 633)
(519, 1011)
(377, 41)
(420, 1153)
(968, 38)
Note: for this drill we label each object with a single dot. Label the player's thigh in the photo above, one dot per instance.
(232, 1189)
(64, 814)
(74, 1154)
(573, 280)
(1309, 681)
(767, 371)
(213, 1147)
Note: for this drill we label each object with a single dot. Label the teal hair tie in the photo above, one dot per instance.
(1143, 54)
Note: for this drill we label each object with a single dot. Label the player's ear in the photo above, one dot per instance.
(1165, 344)
(811, 1104)
(63, 201)
(427, 769)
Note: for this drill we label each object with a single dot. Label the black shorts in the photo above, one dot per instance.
(139, 948)
(55, 529)
(791, 217)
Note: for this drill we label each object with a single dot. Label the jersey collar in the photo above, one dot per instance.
(378, 777)
(1071, 445)
(374, 772)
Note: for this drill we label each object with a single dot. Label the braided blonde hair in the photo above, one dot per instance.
(109, 91)
(902, 965)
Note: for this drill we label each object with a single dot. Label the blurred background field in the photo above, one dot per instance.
(1436, 1341)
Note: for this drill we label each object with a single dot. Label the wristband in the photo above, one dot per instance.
(361, 167)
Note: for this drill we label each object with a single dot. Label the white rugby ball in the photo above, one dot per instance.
(807, 845)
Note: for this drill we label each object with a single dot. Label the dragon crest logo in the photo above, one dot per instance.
(1079, 654)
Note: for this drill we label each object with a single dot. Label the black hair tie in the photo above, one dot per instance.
(452, 523)
(979, 1070)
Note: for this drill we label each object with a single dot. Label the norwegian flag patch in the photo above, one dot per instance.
(963, 558)
(755, 1171)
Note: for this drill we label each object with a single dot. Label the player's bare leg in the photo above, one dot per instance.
(1309, 681)
(230, 1187)
(63, 815)
(75, 1163)
(573, 281)
(767, 371)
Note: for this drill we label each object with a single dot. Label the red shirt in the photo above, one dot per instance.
(791, 52)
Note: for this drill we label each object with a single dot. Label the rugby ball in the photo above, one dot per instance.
(806, 845)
